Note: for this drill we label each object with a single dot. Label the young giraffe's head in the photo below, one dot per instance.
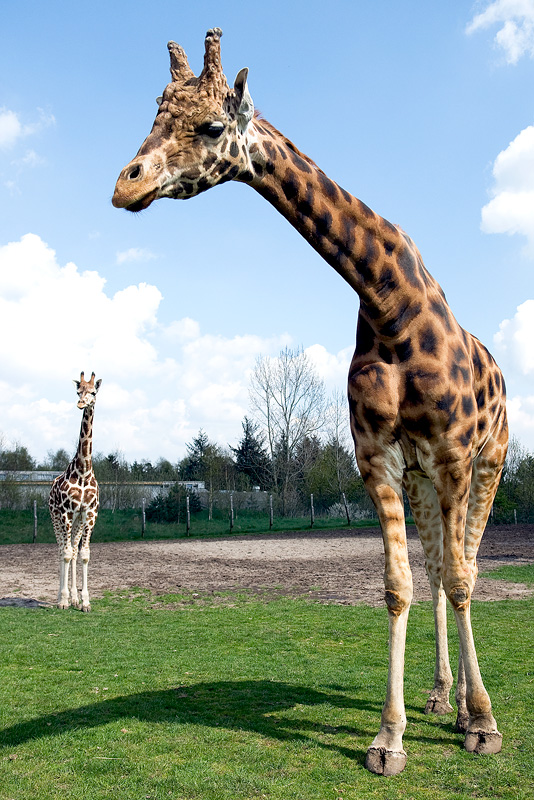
(87, 390)
(198, 137)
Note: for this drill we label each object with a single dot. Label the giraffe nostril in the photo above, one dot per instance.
(135, 173)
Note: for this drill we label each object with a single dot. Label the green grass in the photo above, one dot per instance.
(233, 699)
(16, 527)
(522, 573)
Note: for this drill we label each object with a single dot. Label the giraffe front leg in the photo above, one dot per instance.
(65, 558)
(474, 707)
(386, 755)
(459, 576)
(85, 554)
(482, 735)
(76, 534)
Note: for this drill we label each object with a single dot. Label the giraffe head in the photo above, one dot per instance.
(87, 390)
(198, 137)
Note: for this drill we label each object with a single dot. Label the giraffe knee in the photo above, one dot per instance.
(68, 553)
(396, 602)
(459, 596)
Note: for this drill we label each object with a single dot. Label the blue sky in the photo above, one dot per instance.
(424, 110)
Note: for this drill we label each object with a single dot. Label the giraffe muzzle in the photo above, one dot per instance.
(136, 187)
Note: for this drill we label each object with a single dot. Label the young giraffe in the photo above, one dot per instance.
(73, 503)
(427, 401)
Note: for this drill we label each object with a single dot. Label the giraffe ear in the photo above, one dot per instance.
(97, 384)
(245, 109)
(76, 384)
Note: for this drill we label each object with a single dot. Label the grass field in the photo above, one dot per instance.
(202, 698)
(16, 527)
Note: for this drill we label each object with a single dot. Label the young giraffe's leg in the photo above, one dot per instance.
(383, 476)
(427, 516)
(85, 553)
(456, 490)
(62, 522)
(75, 537)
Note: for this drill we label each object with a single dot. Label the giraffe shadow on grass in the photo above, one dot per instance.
(257, 706)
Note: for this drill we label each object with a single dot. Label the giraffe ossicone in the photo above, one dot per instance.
(427, 401)
(73, 504)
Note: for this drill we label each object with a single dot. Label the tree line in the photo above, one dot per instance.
(294, 443)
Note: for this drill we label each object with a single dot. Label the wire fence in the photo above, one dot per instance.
(124, 513)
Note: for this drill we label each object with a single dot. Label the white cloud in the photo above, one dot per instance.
(160, 383)
(134, 254)
(521, 419)
(515, 340)
(12, 129)
(516, 32)
(181, 330)
(514, 350)
(30, 159)
(511, 210)
(59, 318)
(333, 368)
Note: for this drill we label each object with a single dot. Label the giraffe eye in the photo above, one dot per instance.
(211, 129)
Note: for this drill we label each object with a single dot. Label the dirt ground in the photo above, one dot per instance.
(331, 566)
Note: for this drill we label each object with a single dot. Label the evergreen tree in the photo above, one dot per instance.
(171, 507)
(251, 459)
(193, 466)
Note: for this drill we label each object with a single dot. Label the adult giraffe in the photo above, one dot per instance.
(73, 503)
(427, 401)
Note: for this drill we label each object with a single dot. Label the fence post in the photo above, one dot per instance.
(312, 511)
(270, 512)
(346, 507)
(492, 511)
(231, 512)
(34, 521)
(143, 518)
(187, 516)
(515, 516)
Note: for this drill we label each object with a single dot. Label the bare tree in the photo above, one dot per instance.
(338, 430)
(288, 400)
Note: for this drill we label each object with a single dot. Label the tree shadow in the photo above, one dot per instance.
(248, 705)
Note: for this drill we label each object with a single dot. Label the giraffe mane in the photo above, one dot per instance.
(269, 126)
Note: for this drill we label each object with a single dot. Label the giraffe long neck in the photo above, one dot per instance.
(83, 460)
(375, 257)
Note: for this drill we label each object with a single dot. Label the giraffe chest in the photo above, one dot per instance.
(74, 496)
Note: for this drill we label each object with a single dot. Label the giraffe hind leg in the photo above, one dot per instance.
(427, 515)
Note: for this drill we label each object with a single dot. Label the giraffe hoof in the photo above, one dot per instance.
(63, 604)
(482, 742)
(385, 762)
(436, 705)
(85, 609)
